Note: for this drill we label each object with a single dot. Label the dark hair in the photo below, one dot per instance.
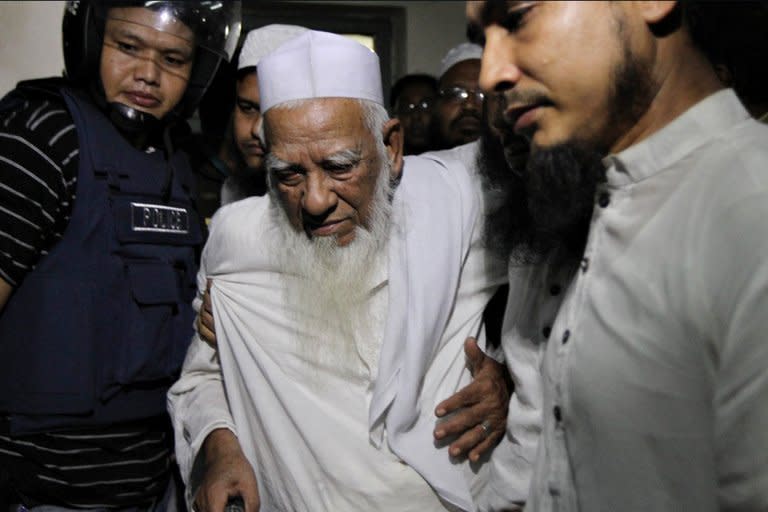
(408, 80)
(215, 107)
(734, 36)
(244, 72)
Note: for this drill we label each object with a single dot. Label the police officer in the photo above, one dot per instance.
(98, 245)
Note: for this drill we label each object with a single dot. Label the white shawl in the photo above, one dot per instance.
(437, 207)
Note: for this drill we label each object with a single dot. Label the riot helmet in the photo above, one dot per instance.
(209, 31)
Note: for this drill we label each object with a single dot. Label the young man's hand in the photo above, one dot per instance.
(479, 410)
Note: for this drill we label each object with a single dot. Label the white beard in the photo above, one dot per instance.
(329, 287)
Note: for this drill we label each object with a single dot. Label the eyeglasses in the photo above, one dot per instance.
(460, 95)
(424, 105)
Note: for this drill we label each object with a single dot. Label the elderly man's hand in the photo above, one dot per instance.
(205, 326)
(227, 474)
(479, 410)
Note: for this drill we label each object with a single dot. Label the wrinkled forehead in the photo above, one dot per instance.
(314, 118)
(160, 20)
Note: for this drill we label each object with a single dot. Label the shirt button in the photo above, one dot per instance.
(555, 290)
(566, 335)
(557, 413)
(546, 331)
(584, 264)
(604, 199)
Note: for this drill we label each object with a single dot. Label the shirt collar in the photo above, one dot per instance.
(707, 119)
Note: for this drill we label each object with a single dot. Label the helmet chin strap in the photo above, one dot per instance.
(131, 121)
(136, 126)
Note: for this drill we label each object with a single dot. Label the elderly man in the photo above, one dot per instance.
(342, 303)
(642, 209)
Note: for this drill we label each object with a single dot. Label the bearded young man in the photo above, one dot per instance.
(342, 302)
(638, 225)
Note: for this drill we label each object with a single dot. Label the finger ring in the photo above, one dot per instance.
(485, 426)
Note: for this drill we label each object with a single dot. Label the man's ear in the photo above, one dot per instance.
(392, 132)
(656, 11)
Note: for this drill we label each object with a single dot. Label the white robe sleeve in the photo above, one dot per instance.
(736, 313)
(196, 402)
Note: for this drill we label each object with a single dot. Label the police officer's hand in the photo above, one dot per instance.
(205, 325)
(227, 474)
(478, 412)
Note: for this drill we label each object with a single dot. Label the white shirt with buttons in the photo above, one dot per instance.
(654, 387)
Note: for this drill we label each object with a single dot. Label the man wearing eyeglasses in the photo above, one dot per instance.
(458, 111)
(412, 100)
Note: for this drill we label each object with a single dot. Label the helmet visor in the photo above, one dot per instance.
(186, 39)
(212, 25)
(158, 37)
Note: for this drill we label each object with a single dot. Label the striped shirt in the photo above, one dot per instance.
(38, 174)
(114, 466)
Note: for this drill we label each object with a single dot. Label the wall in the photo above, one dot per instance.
(30, 45)
(433, 27)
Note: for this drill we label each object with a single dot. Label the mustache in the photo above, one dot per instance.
(467, 114)
(504, 122)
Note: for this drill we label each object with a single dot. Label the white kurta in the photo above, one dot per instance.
(655, 381)
(511, 466)
(318, 438)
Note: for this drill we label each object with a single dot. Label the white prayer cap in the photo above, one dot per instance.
(319, 65)
(264, 40)
(462, 52)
